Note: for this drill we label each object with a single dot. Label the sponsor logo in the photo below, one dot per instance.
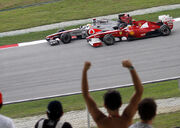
(91, 31)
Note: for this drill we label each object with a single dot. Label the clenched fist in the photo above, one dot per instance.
(87, 65)
(127, 63)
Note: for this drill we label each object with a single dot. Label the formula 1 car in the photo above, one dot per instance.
(67, 35)
(135, 30)
(84, 31)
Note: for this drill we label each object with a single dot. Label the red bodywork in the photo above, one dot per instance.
(138, 29)
(135, 30)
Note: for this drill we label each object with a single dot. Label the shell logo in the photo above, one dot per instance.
(131, 33)
(91, 31)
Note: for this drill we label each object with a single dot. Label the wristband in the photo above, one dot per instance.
(131, 68)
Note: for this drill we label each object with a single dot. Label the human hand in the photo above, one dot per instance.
(87, 65)
(127, 63)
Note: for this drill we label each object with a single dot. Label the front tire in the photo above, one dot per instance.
(65, 38)
(109, 39)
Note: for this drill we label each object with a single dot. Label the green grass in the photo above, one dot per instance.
(6, 4)
(168, 120)
(157, 91)
(41, 35)
(71, 10)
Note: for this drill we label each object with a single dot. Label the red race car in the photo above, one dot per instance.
(133, 30)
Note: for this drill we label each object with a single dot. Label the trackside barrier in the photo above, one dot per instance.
(95, 90)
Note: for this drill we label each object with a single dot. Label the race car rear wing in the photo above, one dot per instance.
(165, 18)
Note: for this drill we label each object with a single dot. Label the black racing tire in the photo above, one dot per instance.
(65, 38)
(108, 39)
(165, 30)
(130, 38)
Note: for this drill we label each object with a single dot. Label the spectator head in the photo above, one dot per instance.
(1, 100)
(54, 110)
(147, 109)
(112, 100)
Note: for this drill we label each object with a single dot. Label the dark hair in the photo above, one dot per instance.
(54, 110)
(147, 109)
(112, 99)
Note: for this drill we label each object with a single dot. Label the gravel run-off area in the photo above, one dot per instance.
(78, 119)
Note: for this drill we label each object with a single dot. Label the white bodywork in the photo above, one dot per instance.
(165, 18)
(145, 25)
(94, 41)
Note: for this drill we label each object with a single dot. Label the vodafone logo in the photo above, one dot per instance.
(91, 31)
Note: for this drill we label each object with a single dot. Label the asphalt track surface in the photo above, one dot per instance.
(42, 70)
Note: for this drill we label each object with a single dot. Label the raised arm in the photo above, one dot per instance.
(92, 107)
(131, 109)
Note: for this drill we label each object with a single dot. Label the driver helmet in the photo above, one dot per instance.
(94, 20)
(125, 18)
(89, 25)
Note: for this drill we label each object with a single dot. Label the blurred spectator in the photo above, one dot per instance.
(112, 101)
(54, 113)
(5, 122)
(147, 112)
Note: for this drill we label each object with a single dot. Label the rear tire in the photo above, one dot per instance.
(108, 39)
(130, 38)
(165, 30)
(65, 38)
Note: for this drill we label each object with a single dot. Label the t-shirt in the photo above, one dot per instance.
(52, 124)
(6, 122)
(140, 125)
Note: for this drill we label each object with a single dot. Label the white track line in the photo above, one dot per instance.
(177, 19)
(31, 43)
